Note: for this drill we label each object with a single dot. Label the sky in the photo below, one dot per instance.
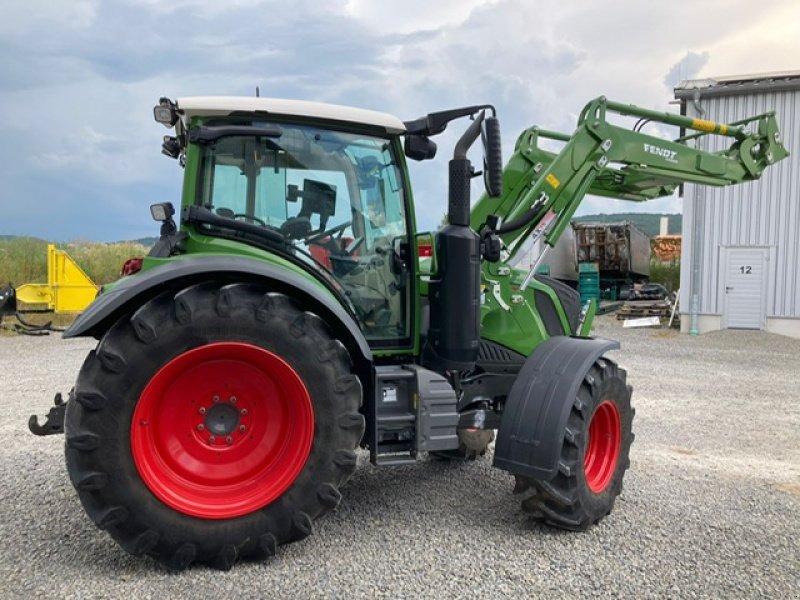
(80, 153)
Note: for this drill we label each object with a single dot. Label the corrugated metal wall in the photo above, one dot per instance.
(765, 213)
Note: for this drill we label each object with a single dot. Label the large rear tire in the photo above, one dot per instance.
(213, 424)
(594, 455)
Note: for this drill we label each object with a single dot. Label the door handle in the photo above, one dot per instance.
(728, 288)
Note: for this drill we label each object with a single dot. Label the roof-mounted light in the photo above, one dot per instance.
(165, 112)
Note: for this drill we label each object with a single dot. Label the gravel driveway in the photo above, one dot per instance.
(711, 505)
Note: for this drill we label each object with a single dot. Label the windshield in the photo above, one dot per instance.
(338, 199)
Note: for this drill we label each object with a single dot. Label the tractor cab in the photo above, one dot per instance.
(310, 183)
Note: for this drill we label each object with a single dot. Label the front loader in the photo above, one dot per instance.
(294, 314)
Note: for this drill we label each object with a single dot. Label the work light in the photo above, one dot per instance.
(165, 113)
(162, 211)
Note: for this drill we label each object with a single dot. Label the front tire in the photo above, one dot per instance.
(213, 424)
(594, 454)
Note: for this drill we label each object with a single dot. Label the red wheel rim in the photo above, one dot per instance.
(222, 430)
(602, 448)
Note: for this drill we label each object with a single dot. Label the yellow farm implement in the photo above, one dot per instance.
(68, 290)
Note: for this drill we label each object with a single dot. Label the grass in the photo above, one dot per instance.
(667, 274)
(103, 262)
(24, 260)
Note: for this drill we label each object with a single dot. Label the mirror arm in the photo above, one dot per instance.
(435, 123)
(468, 138)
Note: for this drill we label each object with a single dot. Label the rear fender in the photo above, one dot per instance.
(532, 426)
(130, 293)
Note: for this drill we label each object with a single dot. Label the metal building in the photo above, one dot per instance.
(740, 261)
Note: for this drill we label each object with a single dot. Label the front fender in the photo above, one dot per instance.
(532, 426)
(131, 292)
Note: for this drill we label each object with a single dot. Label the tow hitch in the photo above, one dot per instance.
(53, 423)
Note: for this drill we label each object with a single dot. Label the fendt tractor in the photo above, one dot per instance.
(295, 314)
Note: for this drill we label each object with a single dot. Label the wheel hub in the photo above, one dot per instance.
(222, 419)
(222, 430)
(602, 448)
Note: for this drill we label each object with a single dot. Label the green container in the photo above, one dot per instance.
(588, 282)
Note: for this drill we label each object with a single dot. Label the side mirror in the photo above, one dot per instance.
(492, 156)
(419, 147)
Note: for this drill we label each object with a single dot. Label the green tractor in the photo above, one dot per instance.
(295, 315)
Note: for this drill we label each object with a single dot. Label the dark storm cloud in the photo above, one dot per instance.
(78, 80)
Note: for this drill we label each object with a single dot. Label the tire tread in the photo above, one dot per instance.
(100, 396)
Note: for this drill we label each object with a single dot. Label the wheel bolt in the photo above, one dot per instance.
(202, 410)
(212, 439)
(242, 428)
(229, 440)
(200, 427)
(244, 412)
(233, 399)
(215, 399)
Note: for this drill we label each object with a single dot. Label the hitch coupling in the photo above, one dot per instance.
(53, 423)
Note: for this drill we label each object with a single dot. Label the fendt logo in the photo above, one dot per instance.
(662, 152)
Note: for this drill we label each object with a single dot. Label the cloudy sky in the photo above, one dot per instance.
(80, 154)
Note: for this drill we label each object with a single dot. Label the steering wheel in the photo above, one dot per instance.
(243, 217)
(312, 239)
(334, 246)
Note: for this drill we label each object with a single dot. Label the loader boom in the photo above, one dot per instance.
(542, 189)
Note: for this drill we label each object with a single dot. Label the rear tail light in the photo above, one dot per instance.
(425, 250)
(131, 266)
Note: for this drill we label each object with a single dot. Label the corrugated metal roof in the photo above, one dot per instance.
(738, 84)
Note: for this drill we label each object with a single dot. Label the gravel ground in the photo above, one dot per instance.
(711, 506)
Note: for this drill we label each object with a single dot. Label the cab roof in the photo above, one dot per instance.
(225, 105)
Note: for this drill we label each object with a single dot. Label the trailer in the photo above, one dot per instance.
(559, 261)
(621, 252)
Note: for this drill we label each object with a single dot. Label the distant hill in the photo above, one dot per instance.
(649, 223)
(16, 237)
(148, 242)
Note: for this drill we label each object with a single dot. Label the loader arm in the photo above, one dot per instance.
(542, 189)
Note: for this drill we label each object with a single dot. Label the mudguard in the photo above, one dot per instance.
(131, 292)
(532, 425)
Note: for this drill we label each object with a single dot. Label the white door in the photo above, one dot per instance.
(745, 276)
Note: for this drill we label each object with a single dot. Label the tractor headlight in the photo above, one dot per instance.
(162, 211)
(165, 112)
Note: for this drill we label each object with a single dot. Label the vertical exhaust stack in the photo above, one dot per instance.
(454, 333)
